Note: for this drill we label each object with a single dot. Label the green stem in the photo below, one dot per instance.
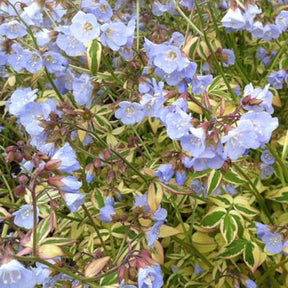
(218, 66)
(137, 25)
(8, 187)
(276, 58)
(255, 192)
(193, 26)
(285, 148)
(143, 144)
(95, 136)
(59, 269)
(279, 160)
(95, 228)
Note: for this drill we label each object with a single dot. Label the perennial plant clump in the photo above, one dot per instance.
(143, 143)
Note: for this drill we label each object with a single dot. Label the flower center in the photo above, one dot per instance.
(87, 26)
(130, 111)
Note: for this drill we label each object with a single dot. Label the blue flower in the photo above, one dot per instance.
(197, 269)
(102, 9)
(169, 59)
(159, 9)
(263, 124)
(66, 159)
(180, 177)
(233, 19)
(250, 283)
(153, 233)
(82, 90)
(130, 113)
(267, 158)
(266, 171)
(194, 142)
(69, 44)
(107, 211)
(24, 216)
(282, 20)
(32, 115)
(160, 214)
(276, 78)
(150, 277)
(32, 61)
(261, 229)
(74, 200)
(239, 139)
(271, 31)
(32, 14)
(196, 186)
(142, 201)
(230, 57)
(178, 124)
(14, 275)
(17, 59)
(85, 27)
(273, 241)
(261, 53)
(200, 83)
(55, 62)
(13, 29)
(114, 35)
(20, 97)
(68, 184)
(165, 173)
(189, 4)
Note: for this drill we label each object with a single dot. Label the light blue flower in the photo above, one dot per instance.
(273, 241)
(150, 277)
(13, 29)
(85, 27)
(107, 211)
(130, 113)
(24, 216)
(14, 275)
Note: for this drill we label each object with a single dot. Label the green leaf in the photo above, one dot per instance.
(228, 228)
(246, 211)
(234, 249)
(213, 181)
(248, 255)
(224, 201)
(58, 241)
(213, 218)
(94, 56)
(232, 177)
(43, 229)
(239, 220)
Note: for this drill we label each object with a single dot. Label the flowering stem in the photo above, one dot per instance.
(218, 66)
(137, 24)
(255, 192)
(95, 228)
(141, 141)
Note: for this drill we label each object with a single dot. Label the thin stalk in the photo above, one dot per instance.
(59, 269)
(218, 66)
(8, 187)
(137, 25)
(95, 136)
(143, 144)
(193, 26)
(255, 192)
(95, 228)
(279, 160)
(285, 148)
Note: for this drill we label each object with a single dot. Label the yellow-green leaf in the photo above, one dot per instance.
(96, 266)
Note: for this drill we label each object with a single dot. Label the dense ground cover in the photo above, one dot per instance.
(143, 143)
